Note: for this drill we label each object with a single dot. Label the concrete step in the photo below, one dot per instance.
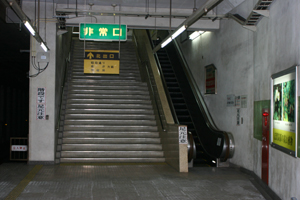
(112, 160)
(107, 106)
(109, 122)
(108, 101)
(105, 83)
(112, 154)
(111, 141)
(110, 128)
(110, 134)
(108, 87)
(109, 96)
(110, 116)
(112, 81)
(109, 111)
(121, 92)
(111, 147)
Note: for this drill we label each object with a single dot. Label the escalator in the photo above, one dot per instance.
(211, 143)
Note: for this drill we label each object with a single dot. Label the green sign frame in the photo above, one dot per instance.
(102, 32)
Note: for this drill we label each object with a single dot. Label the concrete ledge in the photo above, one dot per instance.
(41, 163)
(263, 188)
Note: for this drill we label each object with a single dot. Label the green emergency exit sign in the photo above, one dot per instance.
(102, 32)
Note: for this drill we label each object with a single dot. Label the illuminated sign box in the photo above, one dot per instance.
(101, 62)
(284, 106)
(102, 32)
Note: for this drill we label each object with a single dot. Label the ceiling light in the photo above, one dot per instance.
(44, 47)
(29, 27)
(178, 32)
(166, 42)
(196, 34)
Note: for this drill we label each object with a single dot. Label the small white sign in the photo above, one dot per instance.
(230, 100)
(244, 101)
(40, 111)
(41, 95)
(182, 130)
(18, 147)
(238, 117)
(237, 101)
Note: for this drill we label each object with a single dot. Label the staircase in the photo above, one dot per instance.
(108, 118)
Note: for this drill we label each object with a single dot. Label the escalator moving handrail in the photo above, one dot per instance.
(164, 82)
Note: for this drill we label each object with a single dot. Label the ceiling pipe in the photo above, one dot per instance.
(209, 5)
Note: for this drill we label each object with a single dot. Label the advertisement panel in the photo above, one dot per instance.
(284, 111)
(210, 79)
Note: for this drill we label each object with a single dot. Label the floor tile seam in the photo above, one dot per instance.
(23, 183)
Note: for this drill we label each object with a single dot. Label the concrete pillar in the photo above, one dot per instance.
(42, 132)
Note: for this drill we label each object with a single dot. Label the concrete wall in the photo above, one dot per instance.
(245, 61)
(42, 132)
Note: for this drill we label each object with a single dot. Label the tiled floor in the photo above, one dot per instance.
(127, 182)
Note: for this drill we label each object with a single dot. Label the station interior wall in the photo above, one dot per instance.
(245, 62)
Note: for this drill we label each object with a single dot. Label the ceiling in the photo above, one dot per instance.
(183, 4)
(224, 7)
(14, 64)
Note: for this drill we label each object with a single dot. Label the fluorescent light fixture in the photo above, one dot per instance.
(44, 47)
(213, 161)
(178, 32)
(29, 27)
(196, 34)
(166, 42)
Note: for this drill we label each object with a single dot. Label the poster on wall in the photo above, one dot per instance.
(210, 79)
(284, 108)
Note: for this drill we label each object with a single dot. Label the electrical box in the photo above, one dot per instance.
(43, 57)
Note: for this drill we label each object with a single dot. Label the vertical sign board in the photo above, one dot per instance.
(210, 79)
(284, 111)
(182, 130)
(102, 32)
(41, 104)
(230, 100)
(101, 62)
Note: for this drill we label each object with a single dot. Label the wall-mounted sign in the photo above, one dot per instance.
(41, 104)
(238, 101)
(102, 32)
(284, 111)
(101, 62)
(210, 79)
(238, 116)
(182, 130)
(18, 147)
(230, 100)
(243, 101)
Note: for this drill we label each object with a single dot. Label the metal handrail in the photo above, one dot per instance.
(164, 83)
(62, 92)
(154, 96)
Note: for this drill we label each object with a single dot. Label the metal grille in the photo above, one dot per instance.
(19, 149)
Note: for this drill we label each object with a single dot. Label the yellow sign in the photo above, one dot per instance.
(101, 62)
(285, 139)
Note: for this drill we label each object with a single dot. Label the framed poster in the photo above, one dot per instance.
(210, 79)
(284, 109)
